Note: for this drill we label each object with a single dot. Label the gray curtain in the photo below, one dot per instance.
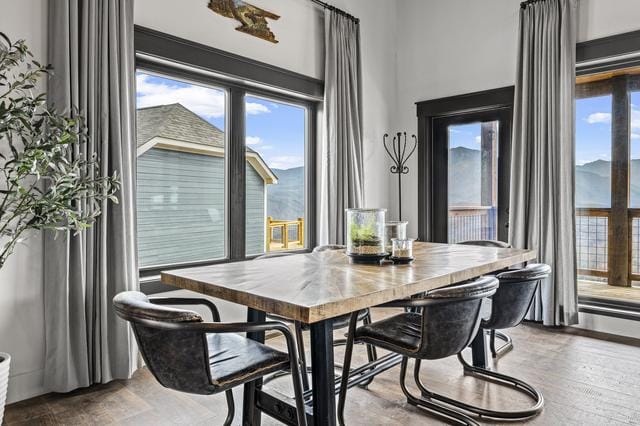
(542, 162)
(91, 49)
(340, 148)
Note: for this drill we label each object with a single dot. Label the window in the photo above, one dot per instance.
(607, 182)
(275, 183)
(201, 138)
(181, 171)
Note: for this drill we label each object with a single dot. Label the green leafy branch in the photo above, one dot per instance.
(47, 180)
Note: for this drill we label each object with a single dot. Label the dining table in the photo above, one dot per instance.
(314, 288)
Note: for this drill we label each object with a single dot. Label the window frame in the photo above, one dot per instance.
(278, 85)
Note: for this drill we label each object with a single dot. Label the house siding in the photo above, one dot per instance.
(180, 205)
(255, 219)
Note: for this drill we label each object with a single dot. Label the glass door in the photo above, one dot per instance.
(471, 177)
(472, 189)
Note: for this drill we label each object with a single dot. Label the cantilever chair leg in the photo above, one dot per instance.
(439, 410)
(508, 345)
(230, 408)
(494, 377)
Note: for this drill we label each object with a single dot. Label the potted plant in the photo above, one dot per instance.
(44, 182)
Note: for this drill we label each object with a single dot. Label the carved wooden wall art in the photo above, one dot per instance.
(253, 20)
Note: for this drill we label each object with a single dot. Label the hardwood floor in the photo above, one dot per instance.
(610, 292)
(586, 378)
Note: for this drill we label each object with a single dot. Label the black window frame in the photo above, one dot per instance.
(173, 57)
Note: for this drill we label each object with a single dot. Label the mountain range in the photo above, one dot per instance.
(285, 200)
(593, 180)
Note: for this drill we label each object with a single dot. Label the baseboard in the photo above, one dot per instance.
(606, 323)
(25, 385)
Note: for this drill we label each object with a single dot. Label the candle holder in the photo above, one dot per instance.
(402, 250)
(398, 153)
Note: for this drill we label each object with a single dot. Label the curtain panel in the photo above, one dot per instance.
(91, 50)
(340, 149)
(542, 162)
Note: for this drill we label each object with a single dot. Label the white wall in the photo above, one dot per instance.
(21, 284)
(453, 47)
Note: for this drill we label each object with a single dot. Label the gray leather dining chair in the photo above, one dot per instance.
(186, 354)
(445, 323)
(494, 334)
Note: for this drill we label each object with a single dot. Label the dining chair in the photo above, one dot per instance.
(509, 306)
(186, 354)
(299, 327)
(495, 334)
(445, 323)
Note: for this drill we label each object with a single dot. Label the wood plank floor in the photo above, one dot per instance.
(586, 378)
(609, 292)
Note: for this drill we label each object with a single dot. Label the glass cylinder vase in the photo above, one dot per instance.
(394, 229)
(365, 232)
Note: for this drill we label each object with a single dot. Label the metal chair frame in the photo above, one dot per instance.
(228, 327)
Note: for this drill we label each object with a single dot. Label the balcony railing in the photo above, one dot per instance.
(472, 223)
(592, 242)
(285, 234)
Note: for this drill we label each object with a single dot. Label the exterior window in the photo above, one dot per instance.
(181, 171)
(275, 175)
(196, 138)
(608, 184)
(593, 184)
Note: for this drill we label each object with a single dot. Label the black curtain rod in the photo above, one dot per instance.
(524, 4)
(335, 9)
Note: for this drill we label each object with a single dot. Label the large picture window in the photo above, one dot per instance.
(200, 139)
(608, 182)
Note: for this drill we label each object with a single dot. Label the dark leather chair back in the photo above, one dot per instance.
(486, 243)
(511, 302)
(451, 317)
(178, 358)
(329, 247)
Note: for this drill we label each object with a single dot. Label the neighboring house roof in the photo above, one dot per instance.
(177, 128)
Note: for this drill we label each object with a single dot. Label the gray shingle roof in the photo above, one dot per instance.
(176, 122)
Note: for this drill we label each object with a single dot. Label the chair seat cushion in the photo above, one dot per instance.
(234, 359)
(399, 333)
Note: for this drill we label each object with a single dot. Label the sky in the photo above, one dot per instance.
(593, 130)
(274, 129)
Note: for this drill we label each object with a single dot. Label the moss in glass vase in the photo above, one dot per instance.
(364, 239)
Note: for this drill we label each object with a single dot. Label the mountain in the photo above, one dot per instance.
(593, 184)
(593, 180)
(285, 200)
(464, 176)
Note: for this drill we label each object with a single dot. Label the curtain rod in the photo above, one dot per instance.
(524, 4)
(335, 9)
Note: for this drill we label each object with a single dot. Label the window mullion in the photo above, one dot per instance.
(236, 175)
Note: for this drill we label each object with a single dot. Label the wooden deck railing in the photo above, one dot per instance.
(592, 243)
(285, 240)
(472, 223)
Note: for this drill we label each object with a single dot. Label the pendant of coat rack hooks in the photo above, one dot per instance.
(399, 154)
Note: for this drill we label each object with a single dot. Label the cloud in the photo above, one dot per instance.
(253, 140)
(478, 139)
(285, 162)
(635, 118)
(254, 108)
(599, 117)
(635, 136)
(206, 102)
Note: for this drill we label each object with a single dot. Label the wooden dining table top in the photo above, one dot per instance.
(312, 287)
